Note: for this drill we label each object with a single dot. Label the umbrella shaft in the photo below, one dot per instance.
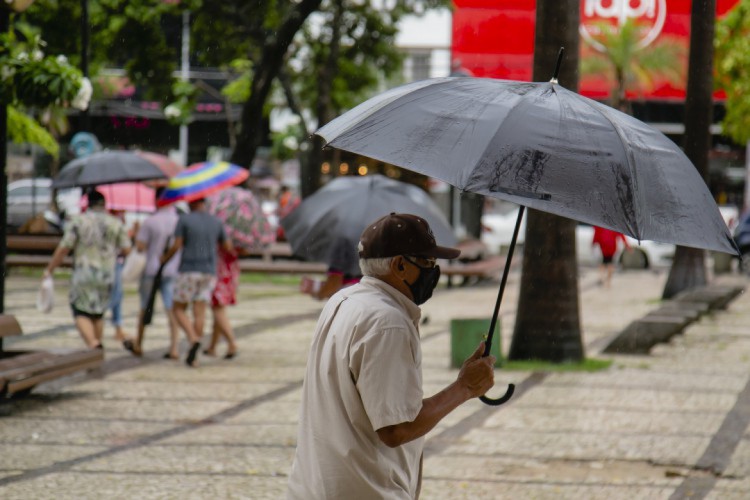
(503, 281)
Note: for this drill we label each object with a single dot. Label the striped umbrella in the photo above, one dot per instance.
(201, 180)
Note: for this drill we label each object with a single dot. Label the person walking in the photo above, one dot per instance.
(198, 234)
(153, 238)
(223, 295)
(115, 302)
(607, 241)
(363, 415)
(96, 239)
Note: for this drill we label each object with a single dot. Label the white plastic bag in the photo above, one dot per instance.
(133, 267)
(45, 299)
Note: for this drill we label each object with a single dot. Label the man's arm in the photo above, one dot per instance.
(60, 253)
(172, 250)
(475, 379)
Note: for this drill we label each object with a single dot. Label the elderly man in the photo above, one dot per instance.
(96, 238)
(364, 417)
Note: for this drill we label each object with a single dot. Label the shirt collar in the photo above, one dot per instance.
(411, 308)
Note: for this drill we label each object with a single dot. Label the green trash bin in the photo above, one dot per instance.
(466, 334)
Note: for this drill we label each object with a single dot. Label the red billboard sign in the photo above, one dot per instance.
(495, 38)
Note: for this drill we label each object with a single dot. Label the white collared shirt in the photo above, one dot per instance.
(364, 372)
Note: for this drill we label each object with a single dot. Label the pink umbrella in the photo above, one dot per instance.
(165, 164)
(127, 196)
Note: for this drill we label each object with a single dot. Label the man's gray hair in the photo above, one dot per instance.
(375, 267)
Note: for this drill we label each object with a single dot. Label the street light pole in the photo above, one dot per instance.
(85, 32)
(185, 76)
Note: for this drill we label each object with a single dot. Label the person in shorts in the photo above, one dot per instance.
(153, 238)
(199, 235)
(96, 239)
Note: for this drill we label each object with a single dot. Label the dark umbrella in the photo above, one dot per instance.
(541, 146)
(109, 167)
(327, 225)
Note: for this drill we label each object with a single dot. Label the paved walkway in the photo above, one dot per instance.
(669, 425)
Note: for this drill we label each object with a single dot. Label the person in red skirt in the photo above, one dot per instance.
(224, 294)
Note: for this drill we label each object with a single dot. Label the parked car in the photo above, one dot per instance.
(498, 230)
(29, 197)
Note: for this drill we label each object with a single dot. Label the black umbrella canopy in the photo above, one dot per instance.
(108, 167)
(541, 146)
(329, 222)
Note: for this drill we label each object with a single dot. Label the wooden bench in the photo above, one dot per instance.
(32, 243)
(472, 265)
(21, 370)
(474, 271)
(282, 266)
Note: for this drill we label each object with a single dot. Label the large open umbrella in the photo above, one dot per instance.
(541, 146)
(108, 167)
(327, 225)
(244, 221)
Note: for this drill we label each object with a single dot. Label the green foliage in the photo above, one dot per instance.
(30, 78)
(732, 62)
(31, 81)
(23, 129)
(368, 54)
(628, 66)
(141, 36)
(180, 112)
(285, 144)
(237, 90)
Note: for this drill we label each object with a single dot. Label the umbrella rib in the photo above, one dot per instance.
(631, 167)
(513, 110)
(388, 98)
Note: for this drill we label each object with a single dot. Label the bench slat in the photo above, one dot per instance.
(91, 361)
(10, 363)
(49, 362)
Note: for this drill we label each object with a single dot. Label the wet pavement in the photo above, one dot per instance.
(672, 424)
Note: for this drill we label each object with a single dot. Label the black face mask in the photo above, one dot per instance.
(425, 283)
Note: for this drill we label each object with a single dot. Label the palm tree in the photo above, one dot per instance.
(689, 269)
(629, 66)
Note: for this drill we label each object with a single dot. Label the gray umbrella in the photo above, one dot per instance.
(327, 225)
(109, 167)
(541, 146)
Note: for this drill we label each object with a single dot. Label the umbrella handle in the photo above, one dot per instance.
(504, 399)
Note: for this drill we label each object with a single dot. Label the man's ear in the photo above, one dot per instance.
(397, 264)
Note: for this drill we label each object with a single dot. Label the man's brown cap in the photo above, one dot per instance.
(401, 234)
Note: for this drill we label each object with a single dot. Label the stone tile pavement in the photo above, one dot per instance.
(672, 424)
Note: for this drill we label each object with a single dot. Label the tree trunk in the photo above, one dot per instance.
(689, 268)
(548, 325)
(310, 180)
(272, 56)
